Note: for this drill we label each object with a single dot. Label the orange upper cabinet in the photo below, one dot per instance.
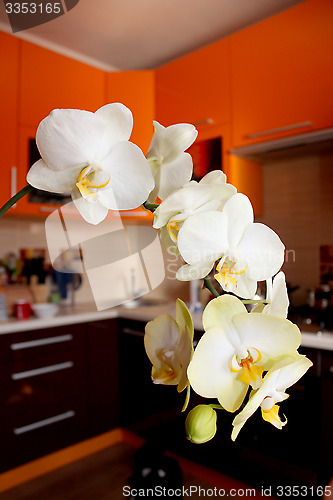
(195, 88)
(282, 74)
(50, 80)
(136, 90)
(9, 65)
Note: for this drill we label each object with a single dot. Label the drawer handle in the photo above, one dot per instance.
(35, 343)
(129, 331)
(280, 129)
(41, 371)
(42, 423)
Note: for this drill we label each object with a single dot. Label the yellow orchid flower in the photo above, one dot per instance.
(283, 374)
(169, 346)
(235, 350)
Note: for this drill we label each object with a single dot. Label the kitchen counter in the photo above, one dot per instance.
(82, 313)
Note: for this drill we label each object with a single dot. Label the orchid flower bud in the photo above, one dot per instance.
(200, 424)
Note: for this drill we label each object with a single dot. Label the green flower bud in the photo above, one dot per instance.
(200, 424)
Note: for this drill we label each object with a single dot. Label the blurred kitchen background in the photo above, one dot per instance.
(257, 84)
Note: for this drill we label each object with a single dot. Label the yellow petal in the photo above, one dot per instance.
(272, 416)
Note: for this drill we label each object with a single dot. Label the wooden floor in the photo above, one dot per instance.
(102, 475)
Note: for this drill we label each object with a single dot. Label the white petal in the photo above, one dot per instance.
(219, 312)
(203, 237)
(184, 318)
(193, 198)
(161, 333)
(279, 301)
(76, 138)
(54, 181)
(210, 363)
(238, 210)
(130, 177)
(195, 272)
(292, 372)
(209, 371)
(251, 407)
(271, 335)
(173, 175)
(169, 142)
(92, 212)
(214, 177)
(263, 250)
(246, 288)
(118, 124)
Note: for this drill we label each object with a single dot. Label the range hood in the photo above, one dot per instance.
(307, 143)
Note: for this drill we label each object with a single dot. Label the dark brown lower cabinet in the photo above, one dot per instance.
(58, 386)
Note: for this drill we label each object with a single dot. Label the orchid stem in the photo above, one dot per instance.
(209, 285)
(150, 206)
(27, 189)
(217, 407)
(187, 397)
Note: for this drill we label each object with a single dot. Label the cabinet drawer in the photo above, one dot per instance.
(29, 350)
(35, 393)
(37, 437)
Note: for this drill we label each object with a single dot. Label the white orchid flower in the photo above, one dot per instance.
(276, 297)
(170, 165)
(236, 348)
(88, 155)
(210, 193)
(169, 346)
(283, 375)
(248, 252)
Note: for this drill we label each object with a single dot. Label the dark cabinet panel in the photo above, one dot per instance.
(58, 386)
(103, 376)
(139, 397)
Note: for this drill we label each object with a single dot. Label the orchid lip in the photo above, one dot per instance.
(86, 184)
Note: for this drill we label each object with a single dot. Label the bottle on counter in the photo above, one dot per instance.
(3, 305)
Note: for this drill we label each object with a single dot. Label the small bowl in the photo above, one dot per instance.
(45, 310)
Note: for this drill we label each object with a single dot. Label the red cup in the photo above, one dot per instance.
(22, 309)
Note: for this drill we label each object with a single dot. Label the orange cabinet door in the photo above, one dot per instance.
(9, 57)
(136, 90)
(50, 80)
(195, 88)
(282, 74)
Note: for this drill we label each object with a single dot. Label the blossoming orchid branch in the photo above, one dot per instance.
(241, 354)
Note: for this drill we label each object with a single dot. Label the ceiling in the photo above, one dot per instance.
(143, 34)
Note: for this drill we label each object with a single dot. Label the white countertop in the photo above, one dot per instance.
(82, 313)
